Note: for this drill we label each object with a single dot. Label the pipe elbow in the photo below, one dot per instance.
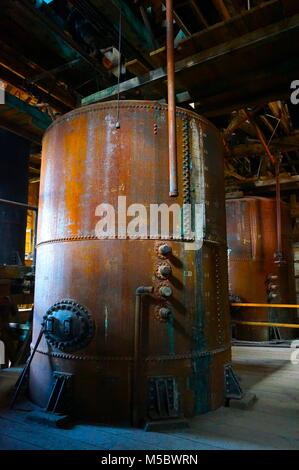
(144, 290)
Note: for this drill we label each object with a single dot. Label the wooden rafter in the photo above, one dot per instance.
(222, 9)
(256, 40)
(279, 144)
(200, 17)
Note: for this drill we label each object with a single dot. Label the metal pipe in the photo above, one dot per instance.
(21, 204)
(259, 323)
(34, 238)
(242, 304)
(261, 138)
(173, 177)
(140, 291)
(278, 255)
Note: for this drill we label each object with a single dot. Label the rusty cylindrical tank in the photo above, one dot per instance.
(184, 333)
(253, 274)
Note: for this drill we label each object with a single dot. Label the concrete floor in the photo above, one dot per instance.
(272, 423)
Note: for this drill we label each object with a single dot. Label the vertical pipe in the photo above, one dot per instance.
(136, 363)
(278, 254)
(173, 178)
(34, 239)
(140, 291)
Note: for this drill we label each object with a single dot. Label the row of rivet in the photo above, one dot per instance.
(170, 357)
(186, 177)
(98, 107)
(91, 237)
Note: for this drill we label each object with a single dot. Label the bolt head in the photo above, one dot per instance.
(166, 291)
(165, 270)
(165, 313)
(165, 249)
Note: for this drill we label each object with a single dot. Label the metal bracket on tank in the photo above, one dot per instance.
(163, 398)
(61, 396)
(60, 407)
(233, 388)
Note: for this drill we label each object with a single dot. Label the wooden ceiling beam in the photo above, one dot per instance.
(252, 41)
(200, 17)
(283, 144)
(25, 6)
(233, 7)
(20, 130)
(221, 9)
(181, 24)
(279, 112)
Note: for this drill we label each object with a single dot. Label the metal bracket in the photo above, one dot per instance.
(60, 400)
(163, 398)
(231, 383)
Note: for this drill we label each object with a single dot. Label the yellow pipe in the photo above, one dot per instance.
(234, 304)
(259, 323)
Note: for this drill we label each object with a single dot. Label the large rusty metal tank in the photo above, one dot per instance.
(254, 276)
(163, 357)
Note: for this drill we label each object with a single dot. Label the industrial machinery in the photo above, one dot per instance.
(256, 275)
(135, 328)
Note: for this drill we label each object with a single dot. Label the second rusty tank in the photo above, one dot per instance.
(139, 324)
(254, 276)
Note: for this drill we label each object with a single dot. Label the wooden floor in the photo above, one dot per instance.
(271, 424)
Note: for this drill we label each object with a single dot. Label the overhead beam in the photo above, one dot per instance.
(20, 130)
(134, 23)
(181, 24)
(101, 16)
(262, 98)
(201, 18)
(19, 71)
(39, 119)
(66, 39)
(266, 186)
(221, 9)
(26, 120)
(253, 39)
(234, 8)
(271, 182)
(283, 144)
(248, 21)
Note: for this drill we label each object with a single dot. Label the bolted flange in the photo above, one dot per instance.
(68, 325)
